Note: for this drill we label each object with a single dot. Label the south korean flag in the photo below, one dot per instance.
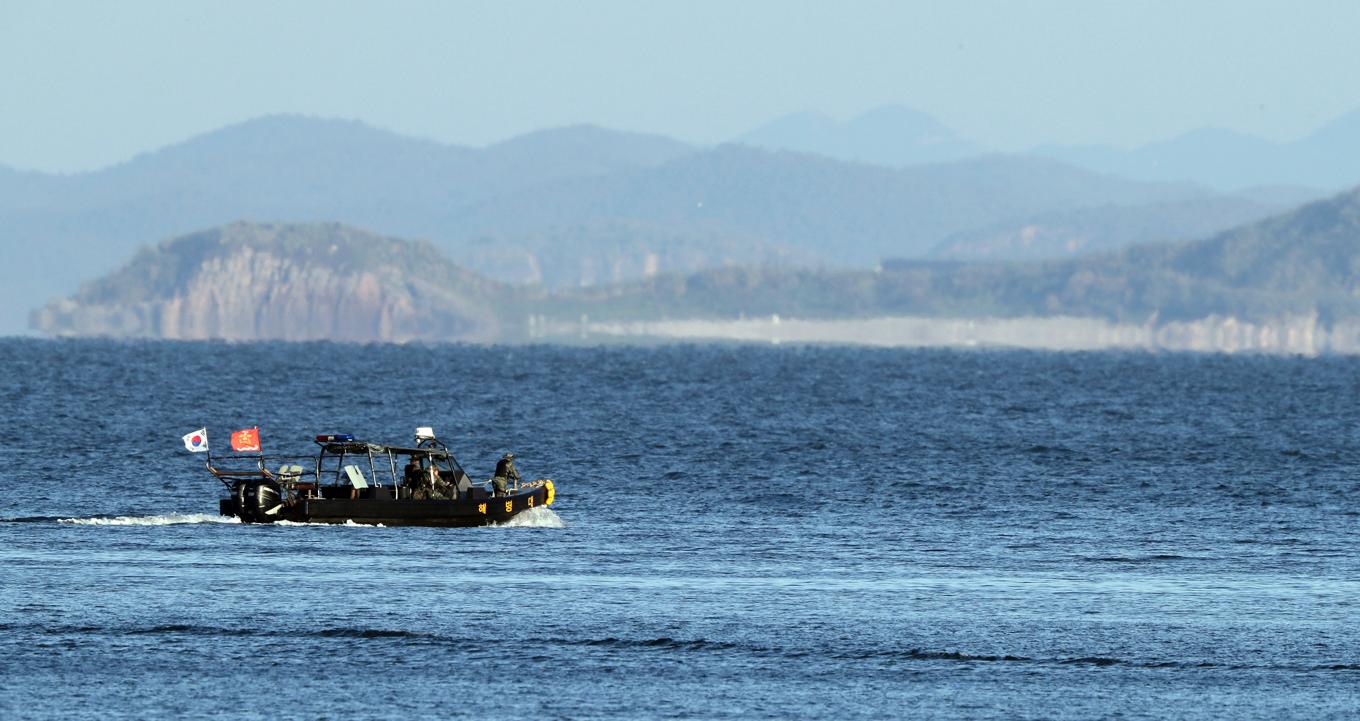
(197, 441)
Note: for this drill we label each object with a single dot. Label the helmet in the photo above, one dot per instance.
(508, 457)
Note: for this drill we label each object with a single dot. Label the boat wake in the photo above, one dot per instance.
(168, 519)
(541, 517)
(347, 524)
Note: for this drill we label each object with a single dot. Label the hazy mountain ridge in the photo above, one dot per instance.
(580, 151)
(562, 208)
(843, 213)
(1071, 233)
(1304, 262)
(326, 167)
(1216, 157)
(889, 135)
(1230, 160)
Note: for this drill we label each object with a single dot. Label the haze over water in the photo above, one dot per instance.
(740, 531)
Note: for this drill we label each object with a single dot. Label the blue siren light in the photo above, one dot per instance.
(336, 438)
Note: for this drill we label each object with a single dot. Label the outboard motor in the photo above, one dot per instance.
(239, 492)
(254, 500)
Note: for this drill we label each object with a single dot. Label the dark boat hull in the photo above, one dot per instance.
(407, 512)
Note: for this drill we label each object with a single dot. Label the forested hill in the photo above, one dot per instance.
(1306, 261)
(319, 281)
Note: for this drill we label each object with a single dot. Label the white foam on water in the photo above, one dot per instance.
(349, 523)
(168, 519)
(540, 517)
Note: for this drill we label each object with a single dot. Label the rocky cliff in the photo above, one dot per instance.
(286, 282)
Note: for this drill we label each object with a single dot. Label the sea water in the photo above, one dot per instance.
(739, 532)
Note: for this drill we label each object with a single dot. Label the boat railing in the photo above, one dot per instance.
(518, 486)
(233, 468)
(285, 470)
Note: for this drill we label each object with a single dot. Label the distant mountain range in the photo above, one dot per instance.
(1213, 157)
(562, 208)
(1281, 283)
(1231, 161)
(840, 213)
(890, 135)
(585, 206)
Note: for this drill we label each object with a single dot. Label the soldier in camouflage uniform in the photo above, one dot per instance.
(417, 478)
(505, 472)
(443, 489)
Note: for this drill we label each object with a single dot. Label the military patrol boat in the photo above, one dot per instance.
(370, 483)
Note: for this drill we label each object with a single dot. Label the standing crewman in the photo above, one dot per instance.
(505, 472)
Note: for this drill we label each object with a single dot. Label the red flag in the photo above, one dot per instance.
(246, 440)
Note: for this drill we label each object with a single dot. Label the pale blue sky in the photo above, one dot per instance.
(86, 84)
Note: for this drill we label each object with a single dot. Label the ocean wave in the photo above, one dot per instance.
(540, 517)
(183, 629)
(910, 655)
(369, 633)
(167, 519)
(662, 643)
(166, 629)
(917, 654)
(668, 644)
(1096, 661)
(1156, 557)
